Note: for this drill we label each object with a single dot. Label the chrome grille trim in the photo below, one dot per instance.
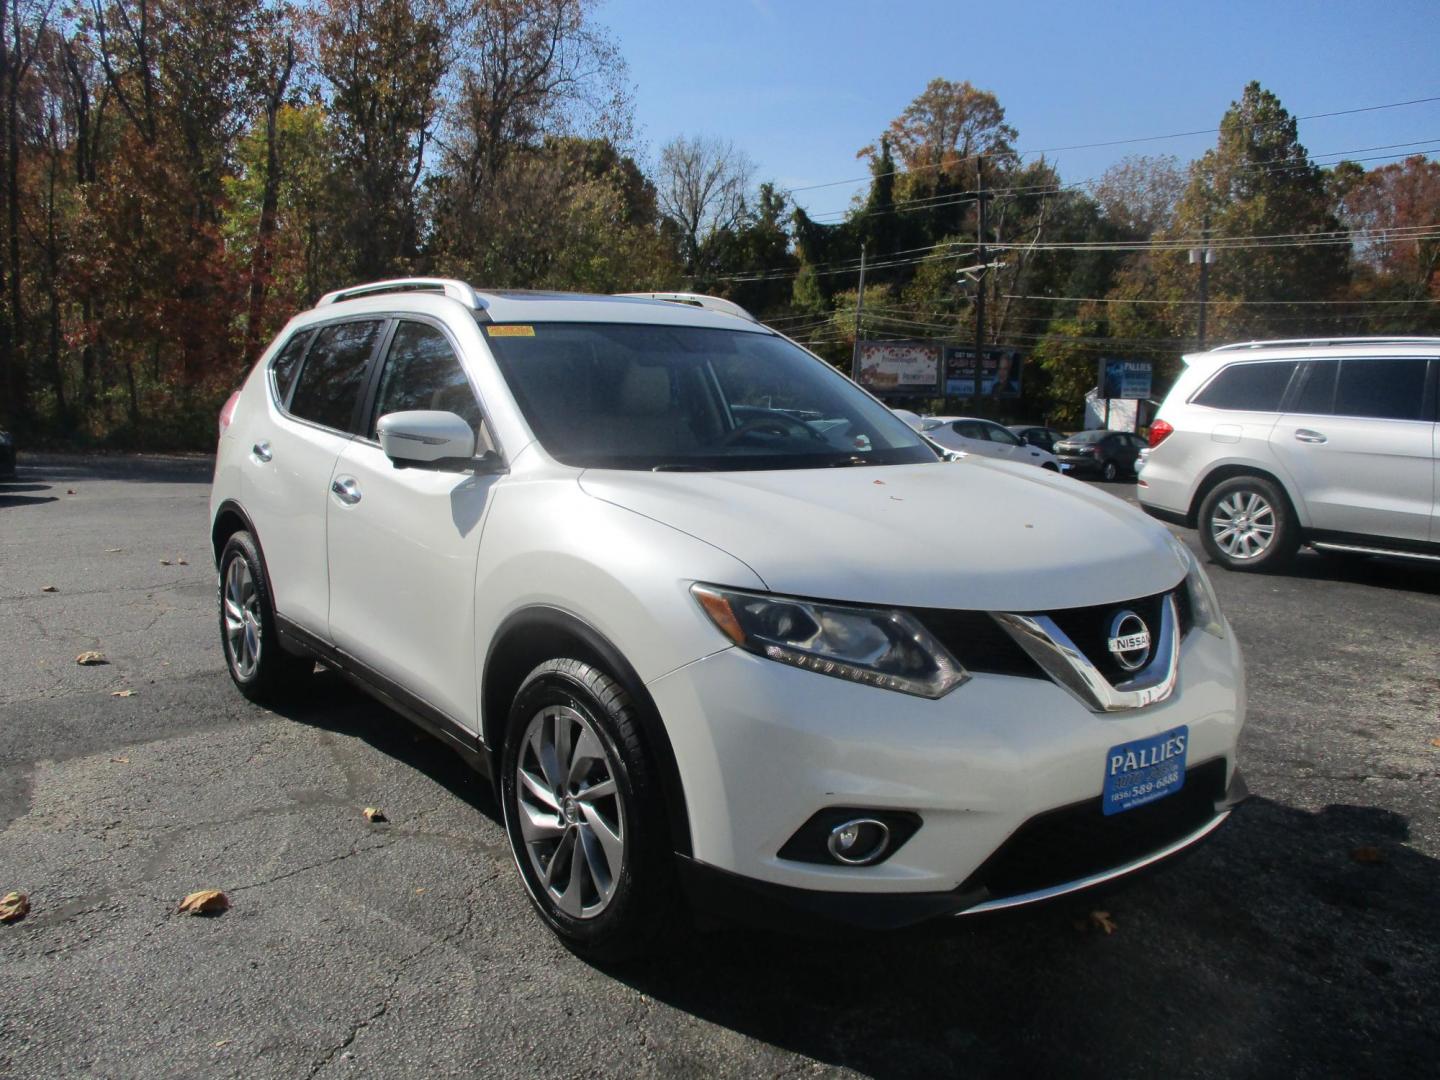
(1072, 670)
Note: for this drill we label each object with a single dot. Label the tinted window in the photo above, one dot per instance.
(1252, 387)
(632, 396)
(1388, 389)
(422, 372)
(287, 363)
(1000, 435)
(1317, 395)
(970, 430)
(1092, 436)
(334, 373)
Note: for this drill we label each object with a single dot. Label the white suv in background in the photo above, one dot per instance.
(1267, 445)
(720, 626)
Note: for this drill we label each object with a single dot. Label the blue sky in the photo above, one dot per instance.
(801, 85)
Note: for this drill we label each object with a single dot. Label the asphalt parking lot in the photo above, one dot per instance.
(1303, 940)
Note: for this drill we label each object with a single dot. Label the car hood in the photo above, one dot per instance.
(967, 534)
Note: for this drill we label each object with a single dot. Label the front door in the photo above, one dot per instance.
(404, 541)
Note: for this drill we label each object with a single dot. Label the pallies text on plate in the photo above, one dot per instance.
(1151, 755)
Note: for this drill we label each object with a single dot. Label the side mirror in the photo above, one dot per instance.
(426, 437)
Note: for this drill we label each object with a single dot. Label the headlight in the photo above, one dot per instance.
(874, 646)
(1204, 607)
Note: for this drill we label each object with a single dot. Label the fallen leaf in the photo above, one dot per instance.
(121, 760)
(420, 891)
(1097, 920)
(91, 658)
(204, 902)
(222, 1042)
(69, 491)
(164, 562)
(113, 551)
(373, 815)
(14, 907)
(49, 588)
(1435, 743)
(122, 693)
(1369, 856)
(181, 561)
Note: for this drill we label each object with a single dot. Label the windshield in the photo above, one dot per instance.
(626, 396)
(1087, 436)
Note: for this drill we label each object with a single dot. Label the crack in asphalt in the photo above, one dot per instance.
(401, 968)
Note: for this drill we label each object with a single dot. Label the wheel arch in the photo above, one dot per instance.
(532, 635)
(1221, 473)
(230, 518)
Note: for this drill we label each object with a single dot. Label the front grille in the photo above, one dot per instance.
(978, 642)
(1089, 629)
(1076, 841)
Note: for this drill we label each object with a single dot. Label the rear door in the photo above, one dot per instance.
(314, 394)
(1358, 437)
(404, 542)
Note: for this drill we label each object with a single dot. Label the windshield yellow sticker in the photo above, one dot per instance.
(510, 330)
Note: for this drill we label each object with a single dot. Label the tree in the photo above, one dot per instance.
(701, 185)
(1139, 193)
(1401, 196)
(944, 131)
(383, 61)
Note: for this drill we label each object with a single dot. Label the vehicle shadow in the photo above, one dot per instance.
(1293, 943)
(16, 493)
(150, 469)
(1230, 962)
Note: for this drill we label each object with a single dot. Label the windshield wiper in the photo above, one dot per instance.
(682, 468)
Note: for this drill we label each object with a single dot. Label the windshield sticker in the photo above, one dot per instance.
(510, 330)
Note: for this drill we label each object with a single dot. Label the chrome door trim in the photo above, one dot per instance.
(1363, 549)
(1051, 648)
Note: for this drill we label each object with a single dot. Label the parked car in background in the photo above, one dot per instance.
(1107, 454)
(986, 438)
(7, 455)
(778, 661)
(1266, 445)
(1039, 436)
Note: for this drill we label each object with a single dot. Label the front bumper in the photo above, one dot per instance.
(761, 747)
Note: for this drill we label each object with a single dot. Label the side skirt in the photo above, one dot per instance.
(389, 693)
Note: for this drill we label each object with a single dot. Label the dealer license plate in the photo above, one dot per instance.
(1142, 771)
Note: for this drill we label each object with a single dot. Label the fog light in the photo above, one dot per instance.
(859, 842)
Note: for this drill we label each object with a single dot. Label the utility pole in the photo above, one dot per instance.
(1202, 256)
(982, 195)
(859, 310)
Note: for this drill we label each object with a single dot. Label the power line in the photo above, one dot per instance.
(1247, 303)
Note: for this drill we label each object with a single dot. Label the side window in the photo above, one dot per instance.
(334, 373)
(1385, 389)
(284, 366)
(969, 430)
(1247, 387)
(422, 372)
(1001, 435)
(1317, 395)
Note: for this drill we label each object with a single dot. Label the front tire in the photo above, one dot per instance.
(584, 814)
(260, 668)
(1246, 524)
(1110, 472)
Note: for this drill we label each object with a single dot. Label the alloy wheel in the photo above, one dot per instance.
(569, 811)
(241, 601)
(1243, 524)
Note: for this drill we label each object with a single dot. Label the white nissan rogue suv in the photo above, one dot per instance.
(675, 584)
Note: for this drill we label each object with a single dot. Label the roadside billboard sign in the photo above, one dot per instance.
(999, 373)
(899, 367)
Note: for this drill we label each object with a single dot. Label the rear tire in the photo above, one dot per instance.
(261, 669)
(584, 813)
(1110, 472)
(1246, 524)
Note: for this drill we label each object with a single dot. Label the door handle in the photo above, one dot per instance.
(346, 490)
(262, 452)
(1306, 435)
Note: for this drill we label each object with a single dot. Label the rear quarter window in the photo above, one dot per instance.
(1383, 389)
(287, 363)
(1247, 387)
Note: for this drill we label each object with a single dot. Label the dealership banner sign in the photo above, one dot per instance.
(899, 367)
(1129, 379)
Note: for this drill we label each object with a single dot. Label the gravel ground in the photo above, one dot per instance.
(408, 948)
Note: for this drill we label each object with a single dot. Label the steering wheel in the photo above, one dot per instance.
(779, 423)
